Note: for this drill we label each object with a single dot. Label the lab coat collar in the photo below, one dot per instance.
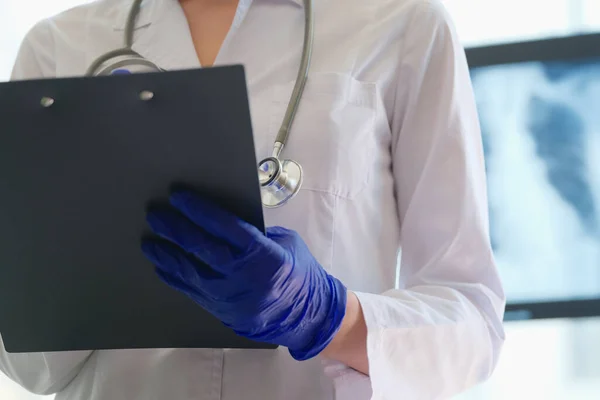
(150, 10)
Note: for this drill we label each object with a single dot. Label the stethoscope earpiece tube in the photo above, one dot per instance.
(298, 91)
(286, 177)
(131, 20)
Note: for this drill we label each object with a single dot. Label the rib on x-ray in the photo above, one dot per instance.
(541, 132)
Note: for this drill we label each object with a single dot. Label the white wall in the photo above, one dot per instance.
(549, 360)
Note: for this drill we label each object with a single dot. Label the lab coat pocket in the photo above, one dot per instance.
(332, 136)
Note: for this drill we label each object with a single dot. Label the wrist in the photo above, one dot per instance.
(327, 329)
(347, 328)
(349, 346)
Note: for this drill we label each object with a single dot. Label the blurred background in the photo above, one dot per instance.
(539, 104)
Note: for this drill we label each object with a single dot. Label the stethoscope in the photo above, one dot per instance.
(279, 180)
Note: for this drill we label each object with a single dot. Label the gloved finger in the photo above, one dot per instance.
(205, 300)
(174, 282)
(189, 275)
(175, 262)
(279, 234)
(171, 225)
(215, 220)
(183, 287)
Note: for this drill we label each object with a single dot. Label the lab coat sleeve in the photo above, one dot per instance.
(40, 373)
(35, 58)
(441, 331)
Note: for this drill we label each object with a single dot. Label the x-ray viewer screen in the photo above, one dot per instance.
(541, 132)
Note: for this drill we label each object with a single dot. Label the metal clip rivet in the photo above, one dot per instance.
(47, 101)
(146, 95)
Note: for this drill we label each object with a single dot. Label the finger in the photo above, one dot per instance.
(175, 262)
(215, 220)
(171, 225)
(189, 274)
(193, 293)
(174, 282)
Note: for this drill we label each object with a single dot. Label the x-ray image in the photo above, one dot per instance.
(541, 131)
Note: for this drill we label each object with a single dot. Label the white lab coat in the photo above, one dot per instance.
(389, 139)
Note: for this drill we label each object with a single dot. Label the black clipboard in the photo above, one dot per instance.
(77, 170)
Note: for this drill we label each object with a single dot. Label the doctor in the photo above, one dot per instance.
(388, 136)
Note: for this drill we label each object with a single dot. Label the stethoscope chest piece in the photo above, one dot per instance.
(279, 181)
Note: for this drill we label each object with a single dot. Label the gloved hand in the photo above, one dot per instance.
(266, 288)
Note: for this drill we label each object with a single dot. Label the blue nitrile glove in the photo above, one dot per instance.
(266, 288)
